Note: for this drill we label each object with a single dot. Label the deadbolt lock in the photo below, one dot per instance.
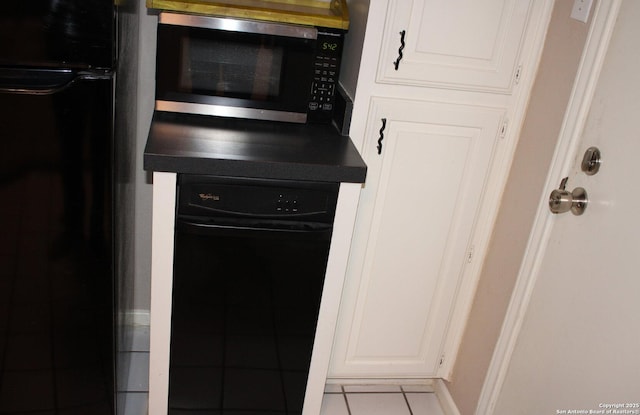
(561, 200)
(591, 161)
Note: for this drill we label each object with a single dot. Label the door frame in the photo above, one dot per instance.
(569, 140)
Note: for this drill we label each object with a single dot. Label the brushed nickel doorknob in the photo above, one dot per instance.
(561, 200)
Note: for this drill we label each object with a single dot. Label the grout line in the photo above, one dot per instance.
(346, 401)
(402, 391)
(379, 392)
(404, 395)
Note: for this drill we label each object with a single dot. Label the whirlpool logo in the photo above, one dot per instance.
(208, 196)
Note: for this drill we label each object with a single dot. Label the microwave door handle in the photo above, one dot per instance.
(237, 25)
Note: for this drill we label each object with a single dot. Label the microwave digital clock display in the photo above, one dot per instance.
(330, 46)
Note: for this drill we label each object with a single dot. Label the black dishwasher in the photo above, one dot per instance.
(250, 260)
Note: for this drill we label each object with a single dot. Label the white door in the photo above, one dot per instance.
(579, 345)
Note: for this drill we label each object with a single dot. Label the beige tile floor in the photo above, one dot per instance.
(380, 400)
(338, 399)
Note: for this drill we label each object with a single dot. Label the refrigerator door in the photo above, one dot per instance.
(57, 33)
(56, 256)
(56, 240)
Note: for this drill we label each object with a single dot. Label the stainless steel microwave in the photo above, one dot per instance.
(251, 69)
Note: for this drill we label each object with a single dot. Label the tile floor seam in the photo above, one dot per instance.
(406, 401)
(346, 401)
(379, 393)
(404, 395)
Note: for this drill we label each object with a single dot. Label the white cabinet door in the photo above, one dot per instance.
(460, 44)
(413, 231)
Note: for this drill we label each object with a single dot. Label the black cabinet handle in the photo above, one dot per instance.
(397, 61)
(384, 125)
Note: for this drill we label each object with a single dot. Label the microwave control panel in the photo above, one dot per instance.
(325, 77)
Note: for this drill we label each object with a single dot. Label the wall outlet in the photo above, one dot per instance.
(581, 9)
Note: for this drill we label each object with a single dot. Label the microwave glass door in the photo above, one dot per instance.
(234, 69)
(238, 70)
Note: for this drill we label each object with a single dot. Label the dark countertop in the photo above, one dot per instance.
(246, 148)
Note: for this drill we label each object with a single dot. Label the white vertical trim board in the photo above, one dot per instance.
(163, 225)
(577, 110)
(343, 224)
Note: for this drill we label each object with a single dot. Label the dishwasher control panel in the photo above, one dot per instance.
(216, 196)
(287, 203)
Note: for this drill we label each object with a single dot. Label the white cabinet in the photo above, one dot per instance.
(452, 113)
(413, 228)
(466, 44)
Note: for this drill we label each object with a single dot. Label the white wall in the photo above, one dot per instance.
(125, 158)
(562, 51)
(358, 12)
(125, 169)
(134, 106)
(134, 109)
(143, 204)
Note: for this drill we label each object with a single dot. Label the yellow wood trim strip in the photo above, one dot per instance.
(332, 14)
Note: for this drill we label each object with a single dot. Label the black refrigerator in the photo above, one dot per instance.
(56, 207)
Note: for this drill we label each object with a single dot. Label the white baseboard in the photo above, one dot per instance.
(380, 381)
(446, 401)
(134, 318)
